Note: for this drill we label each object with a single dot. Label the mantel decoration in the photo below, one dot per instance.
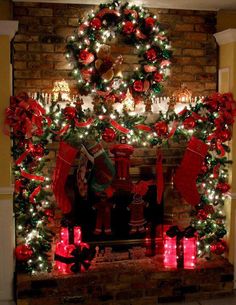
(205, 127)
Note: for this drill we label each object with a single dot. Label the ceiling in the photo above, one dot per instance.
(214, 5)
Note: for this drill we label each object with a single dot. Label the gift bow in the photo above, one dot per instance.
(174, 231)
(81, 256)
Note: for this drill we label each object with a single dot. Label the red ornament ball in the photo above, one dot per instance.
(161, 128)
(209, 209)
(225, 135)
(38, 151)
(218, 247)
(189, 123)
(86, 57)
(202, 215)
(149, 22)
(83, 55)
(23, 252)
(128, 27)
(138, 86)
(69, 112)
(96, 23)
(108, 135)
(223, 187)
(157, 77)
(151, 54)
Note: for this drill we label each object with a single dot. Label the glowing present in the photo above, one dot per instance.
(77, 236)
(190, 252)
(170, 254)
(63, 250)
(64, 236)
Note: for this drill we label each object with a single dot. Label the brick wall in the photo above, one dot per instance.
(40, 43)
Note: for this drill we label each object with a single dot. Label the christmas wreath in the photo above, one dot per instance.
(99, 73)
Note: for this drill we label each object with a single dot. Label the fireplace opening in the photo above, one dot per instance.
(124, 218)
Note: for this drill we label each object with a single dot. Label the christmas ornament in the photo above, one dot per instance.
(141, 86)
(108, 135)
(86, 57)
(156, 88)
(189, 123)
(128, 27)
(223, 187)
(161, 128)
(96, 23)
(219, 247)
(23, 252)
(70, 112)
(150, 22)
(151, 54)
(138, 86)
(187, 173)
(225, 135)
(157, 77)
(209, 209)
(202, 215)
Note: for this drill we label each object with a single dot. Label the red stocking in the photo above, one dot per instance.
(65, 158)
(186, 174)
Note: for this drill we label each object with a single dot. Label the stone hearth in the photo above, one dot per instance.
(139, 282)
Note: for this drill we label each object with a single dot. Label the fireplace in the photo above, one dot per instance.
(153, 218)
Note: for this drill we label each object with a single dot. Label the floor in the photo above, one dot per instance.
(222, 301)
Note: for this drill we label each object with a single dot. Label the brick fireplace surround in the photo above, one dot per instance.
(38, 61)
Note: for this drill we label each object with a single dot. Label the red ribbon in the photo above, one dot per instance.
(23, 156)
(32, 177)
(35, 192)
(25, 115)
(220, 148)
(143, 127)
(63, 130)
(84, 124)
(119, 127)
(173, 129)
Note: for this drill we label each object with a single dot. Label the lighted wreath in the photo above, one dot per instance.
(99, 73)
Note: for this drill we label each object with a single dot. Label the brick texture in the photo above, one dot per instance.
(143, 282)
(43, 28)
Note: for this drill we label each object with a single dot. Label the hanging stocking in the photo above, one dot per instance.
(186, 175)
(83, 171)
(159, 176)
(103, 170)
(65, 158)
